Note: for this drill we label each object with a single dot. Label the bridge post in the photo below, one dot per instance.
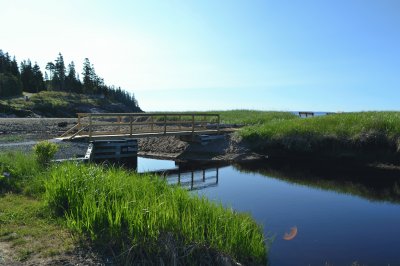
(165, 124)
(192, 124)
(90, 126)
(218, 121)
(79, 123)
(130, 119)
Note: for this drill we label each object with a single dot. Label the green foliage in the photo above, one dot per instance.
(252, 117)
(132, 212)
(352, 131)
(16, 170)
(239, 117)
(31, 77)
(31, 80)
(44, 152)
(10, 85)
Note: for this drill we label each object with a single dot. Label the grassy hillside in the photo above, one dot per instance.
(58, 104)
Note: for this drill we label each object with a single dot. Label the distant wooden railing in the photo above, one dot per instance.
(306, 114)
(128, 124)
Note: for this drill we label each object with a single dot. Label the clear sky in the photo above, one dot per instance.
(320, 55)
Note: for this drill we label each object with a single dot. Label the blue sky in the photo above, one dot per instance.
(329, 55)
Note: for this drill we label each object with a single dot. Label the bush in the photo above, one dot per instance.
(45, 151)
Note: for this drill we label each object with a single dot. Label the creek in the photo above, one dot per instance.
(312, 213)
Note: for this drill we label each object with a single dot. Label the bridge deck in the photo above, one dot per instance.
(139, 125)
(147, 134)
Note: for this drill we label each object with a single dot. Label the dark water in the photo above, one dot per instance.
(342, 214)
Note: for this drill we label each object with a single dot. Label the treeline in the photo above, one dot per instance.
(57, 77)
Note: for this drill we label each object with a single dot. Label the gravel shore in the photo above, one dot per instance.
(23, 133)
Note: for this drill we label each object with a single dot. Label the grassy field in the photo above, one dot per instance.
(238, 117)
(252, 117)
(135, 218)
(337, 134)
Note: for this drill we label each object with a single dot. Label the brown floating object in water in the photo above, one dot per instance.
(292, 234)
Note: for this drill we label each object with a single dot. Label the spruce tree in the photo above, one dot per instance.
(38, 82)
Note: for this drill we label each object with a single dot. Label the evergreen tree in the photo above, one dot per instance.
(14, 68)
(10, 81)
(27, 76)
(89, 77)
(10, 85)
(72, 81)
(50, 67)
(59, 73)
(38, 82)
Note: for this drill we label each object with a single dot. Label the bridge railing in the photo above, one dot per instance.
(98, 124)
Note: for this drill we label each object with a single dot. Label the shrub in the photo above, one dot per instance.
(44, 152)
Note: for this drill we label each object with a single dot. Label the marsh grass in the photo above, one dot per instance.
(238, 117)
(354, 132)
(252, 117)
(18, 171)
(134, 213)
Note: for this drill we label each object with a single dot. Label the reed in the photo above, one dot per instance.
(252, 117)
(17, 169)
(348, 131)
(138, 213)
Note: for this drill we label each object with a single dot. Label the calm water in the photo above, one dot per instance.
(341, 215)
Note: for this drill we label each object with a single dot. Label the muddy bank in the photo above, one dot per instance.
(230, 148)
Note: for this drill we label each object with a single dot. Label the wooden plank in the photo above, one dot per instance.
(112, 156)
(113, 144)
(114, 151)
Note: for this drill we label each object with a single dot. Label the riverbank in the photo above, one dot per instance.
(369, 137)
(362, 136)
(47, 213)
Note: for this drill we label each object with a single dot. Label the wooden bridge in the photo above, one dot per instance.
(138, 125)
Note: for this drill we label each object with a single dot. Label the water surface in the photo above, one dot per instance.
(341, 215)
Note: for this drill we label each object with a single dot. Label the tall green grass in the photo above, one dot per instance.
(18, 171)
(365, 130)
(252, 117)
(140, 213)
(241, 117)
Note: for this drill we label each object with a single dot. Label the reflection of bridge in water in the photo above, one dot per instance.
(192, 178)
